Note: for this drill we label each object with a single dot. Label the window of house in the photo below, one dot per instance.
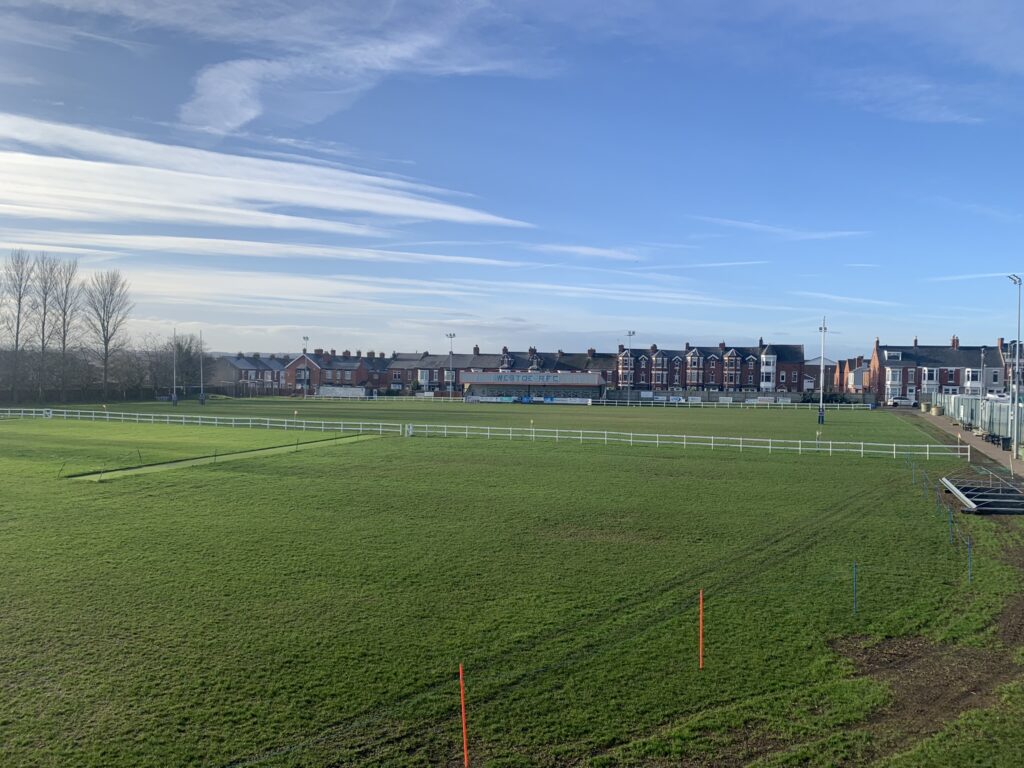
(782, 377)
(995, 377)
(750, 378)
(348, 375)
(766, 377)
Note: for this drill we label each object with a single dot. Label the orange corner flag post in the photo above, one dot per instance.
(700, 642)
(465, 733)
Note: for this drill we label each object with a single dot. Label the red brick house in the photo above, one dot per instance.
(915, 370)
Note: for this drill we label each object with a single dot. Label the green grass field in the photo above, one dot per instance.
(312, 608)
(880, 426)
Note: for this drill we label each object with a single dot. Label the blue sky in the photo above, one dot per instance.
(373, 174)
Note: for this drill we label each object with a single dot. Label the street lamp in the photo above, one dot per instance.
(1015, 389)
(629, 381)
(451, 371)
(821, 366)
(981, 380)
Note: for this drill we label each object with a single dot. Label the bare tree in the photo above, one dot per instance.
(43, 301)
(157, 353)
(107, 306)
(15, 297)
(67, 302)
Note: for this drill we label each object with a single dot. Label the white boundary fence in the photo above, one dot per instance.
(304, 425)
(769, 444)
(578, 436)
(635, 403)
(651, 403)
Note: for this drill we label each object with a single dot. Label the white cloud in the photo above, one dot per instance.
(975, 276)
(845, 299)
(615, 254)
(316, 57)
(785, 233)
(128, 178)
(79, 242)
(908, 97)
(705, 265)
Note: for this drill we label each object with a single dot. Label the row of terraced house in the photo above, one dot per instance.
(914, 371)
(917, 371)
(765, 368)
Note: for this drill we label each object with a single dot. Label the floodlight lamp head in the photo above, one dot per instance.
(1014, 279)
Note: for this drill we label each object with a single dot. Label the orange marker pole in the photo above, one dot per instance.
(700, 643)
(465, 733)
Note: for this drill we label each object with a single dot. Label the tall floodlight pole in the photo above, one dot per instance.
(1015, 389)
(202, 387)
(981, 377)
(174, 367)
(821, 395)
(629, 381)
(451, 364)
(305, 383)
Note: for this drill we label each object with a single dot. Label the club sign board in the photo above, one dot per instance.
(534, 379)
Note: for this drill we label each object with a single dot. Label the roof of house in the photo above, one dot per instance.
(255, 362)
(937, 356)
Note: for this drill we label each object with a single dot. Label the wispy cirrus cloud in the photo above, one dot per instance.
(973, 276)
(62, 172)
(705, 265)
(909, 97)
(979, 209)
(615, 254)
(845, 299)
(87, 242)
(316, 57)
(786, 233)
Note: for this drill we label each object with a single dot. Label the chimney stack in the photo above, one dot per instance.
(622, 348)
(346, 354)
(591, 352)
(504, 350)
(380, 355)
(721, 345)
(654, 348)
(760, 341)
(476, 349)
(915, 342)
(532, 350)
(999, 343)
(359, 353)
(955, 342)
(318, 351)
(686, 347)
(371, 353)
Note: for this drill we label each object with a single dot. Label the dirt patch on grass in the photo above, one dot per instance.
(1011, 621)
(931, 684)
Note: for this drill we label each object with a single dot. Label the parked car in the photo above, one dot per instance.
(896, 402)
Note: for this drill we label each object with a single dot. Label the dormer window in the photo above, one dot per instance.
(892, 354)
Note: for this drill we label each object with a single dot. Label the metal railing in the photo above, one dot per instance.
(652, 403)
(579, 436)
(305, 425)
(713, 442)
